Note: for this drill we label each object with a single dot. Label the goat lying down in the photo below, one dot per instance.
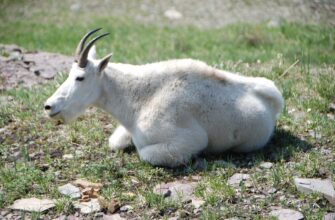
(170, 110)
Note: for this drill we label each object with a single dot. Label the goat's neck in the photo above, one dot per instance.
(120, 95)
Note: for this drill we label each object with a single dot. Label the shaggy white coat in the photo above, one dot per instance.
(175, 109)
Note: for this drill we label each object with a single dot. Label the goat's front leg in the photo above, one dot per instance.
(178, 150)
(120, 139)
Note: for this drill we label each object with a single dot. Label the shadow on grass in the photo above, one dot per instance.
(281, 147)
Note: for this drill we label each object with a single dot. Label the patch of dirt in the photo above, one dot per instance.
(19, 67)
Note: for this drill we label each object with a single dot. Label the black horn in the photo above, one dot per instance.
(83, 55)
(81, 44)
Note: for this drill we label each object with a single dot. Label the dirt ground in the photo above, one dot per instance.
(27, 68)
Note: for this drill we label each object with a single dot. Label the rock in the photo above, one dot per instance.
(86, 184)
(112, 217)
(266, 165)
(79, 153)
(272, 191)
(332, 107)
(173, 14)
(286, 214)
(68, 156)
(33, 205)
(126, 208)
(324, 187)
(237, 178)
(197, 203)
(329, 216)
(178, 190)
(70, 190)
(273, 23)
(75, 7)
(88, 207)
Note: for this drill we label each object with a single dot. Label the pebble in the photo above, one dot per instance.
(173, 14)
(324, 187)
(68, 156)
(112, 217)
(237, 178)
(33, 205)
(70, 190)
(88, 207)
(197, 203)
(177, 190)
(126, 208)
(329, 216)
(266, 165)
(286, 214)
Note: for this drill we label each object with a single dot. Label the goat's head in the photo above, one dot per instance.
(82, 88)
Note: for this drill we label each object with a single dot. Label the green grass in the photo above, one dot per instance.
(254, 50)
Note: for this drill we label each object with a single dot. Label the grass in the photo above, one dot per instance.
(31, 146)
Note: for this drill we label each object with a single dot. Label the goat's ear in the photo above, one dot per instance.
(92, 53)
(104, 62)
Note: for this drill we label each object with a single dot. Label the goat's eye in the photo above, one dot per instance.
(80, 78)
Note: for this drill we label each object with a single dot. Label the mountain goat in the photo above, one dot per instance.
(170, 110)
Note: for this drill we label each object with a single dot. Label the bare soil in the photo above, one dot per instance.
(20, 67)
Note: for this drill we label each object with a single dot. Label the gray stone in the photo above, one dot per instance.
(178, 190)
(324, 187)
(173, 14)
(329, 216)
(70, 190)
(266, 165)
(197, 203)
(237, 178)
(68, 156)
(33, 205)
(126, 208)
(286, 214)
(88, 207)
(112, 217)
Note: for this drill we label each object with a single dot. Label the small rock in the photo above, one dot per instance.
(266, 165)
(329, 216)
(272, 191)
(237, 178)
(33, 205)
(324, 187)
(68, 156)
(126, 208)
(332, 107)
(88, 207)
(286, 214)
(173, 14)
(70, 190)
(177, 190)
(75, 7)
(112, 217)
(315, 134)
(197, 203)
(79, 153)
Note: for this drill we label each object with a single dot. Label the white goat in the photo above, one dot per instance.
(171, 110)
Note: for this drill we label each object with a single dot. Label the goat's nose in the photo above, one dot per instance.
(47, 107)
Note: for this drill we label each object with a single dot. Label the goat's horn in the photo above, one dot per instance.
(83, 56)
(81, 44)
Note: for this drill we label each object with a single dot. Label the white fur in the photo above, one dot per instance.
(173, 110)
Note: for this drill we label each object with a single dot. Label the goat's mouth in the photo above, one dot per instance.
(54, 114)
